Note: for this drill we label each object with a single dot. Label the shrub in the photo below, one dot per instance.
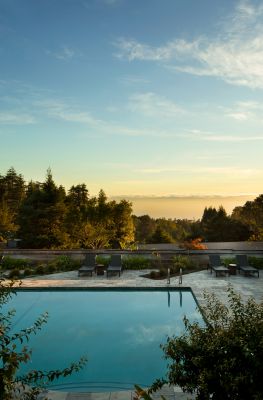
(11, 263)
(14, 273)
(256, 262)
(184, 262)
(136, 262)
(28, 271)
(63, 263)
(40, 269)
(105, 260)
(50, 269)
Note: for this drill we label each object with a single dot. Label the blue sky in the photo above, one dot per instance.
(138, 97)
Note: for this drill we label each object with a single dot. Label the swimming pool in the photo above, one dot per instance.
(119, 331)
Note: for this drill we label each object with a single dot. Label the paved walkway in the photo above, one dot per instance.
(198, 282)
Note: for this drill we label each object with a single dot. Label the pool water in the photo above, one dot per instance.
(119, 331)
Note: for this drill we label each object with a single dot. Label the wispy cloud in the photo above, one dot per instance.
(12, 118)
(151, 104)
(65, 53)
(62, 110)
(216, 137)
(226, 170)
(234, 55)
(246, 110)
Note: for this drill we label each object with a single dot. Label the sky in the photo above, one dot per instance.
(138, 97)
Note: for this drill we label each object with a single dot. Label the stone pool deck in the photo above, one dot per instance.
(199, 281)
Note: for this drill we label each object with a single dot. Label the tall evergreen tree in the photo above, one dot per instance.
(12, 193)
(42, 216)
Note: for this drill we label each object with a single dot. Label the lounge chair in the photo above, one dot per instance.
(243, 265)
(115, 264)
(216, 265)
(89, 264)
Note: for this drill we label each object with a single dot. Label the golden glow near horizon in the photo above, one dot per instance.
(184, 207)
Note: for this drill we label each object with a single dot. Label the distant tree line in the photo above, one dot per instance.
(44, 215)
(245, 223)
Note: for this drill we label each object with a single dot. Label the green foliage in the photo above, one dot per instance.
(59, 264)
(18, 263)
(64, 263)
(256, 262)
(136, 262)
(105, 260)
(145, 227)
(216, 226)
(161, 236)
(251, 214)
(40, 269)
(185, 262)
(42, 214)
(12, 355)
(221, 359)
(12, 193)
(28, 272)
(14, 273)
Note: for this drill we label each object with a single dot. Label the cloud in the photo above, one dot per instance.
(239, 116)
(235, 55)
(64, 54)
(246, 110)
(12, 118)
(227, 170)
(151, 105)
(213, 137)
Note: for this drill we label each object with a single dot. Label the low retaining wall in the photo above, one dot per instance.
(202, 256)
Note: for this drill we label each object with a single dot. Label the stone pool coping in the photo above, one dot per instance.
(197, 282)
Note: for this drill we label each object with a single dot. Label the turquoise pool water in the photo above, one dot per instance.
(119, 331)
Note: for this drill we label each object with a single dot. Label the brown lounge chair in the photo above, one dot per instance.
(89, 264)
(243, 265)
(216, 265)
(115, 264)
